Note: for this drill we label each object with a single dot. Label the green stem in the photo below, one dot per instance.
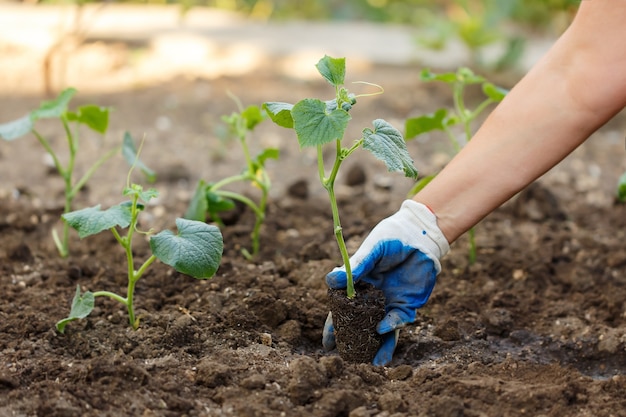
(236, 196)
(127, 243)
(479, 109)
(111, 295)
(329, 185)
(48, 148)
(459, 104)
(229, 180)
(466, 120)
(62, 243)
(130, 292)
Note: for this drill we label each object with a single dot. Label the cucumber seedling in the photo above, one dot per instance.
(211, 198)
(621, 188)
(445, 120)
(318, 123)
(94, 117)
(196, 249)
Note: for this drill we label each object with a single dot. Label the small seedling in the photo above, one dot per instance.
(318, 123)
(478, 25)
(196, 250)
(444, 120)
(210, 198)
(92, 116)
(621, 188)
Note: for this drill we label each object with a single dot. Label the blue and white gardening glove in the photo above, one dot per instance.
(400, 256)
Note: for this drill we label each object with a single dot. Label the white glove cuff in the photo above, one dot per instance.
(432, 241)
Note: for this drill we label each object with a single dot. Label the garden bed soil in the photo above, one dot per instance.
(536, 327)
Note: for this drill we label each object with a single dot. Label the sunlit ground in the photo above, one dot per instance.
(120, 47)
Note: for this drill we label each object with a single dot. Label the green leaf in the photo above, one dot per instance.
(144, 195)
(280, 113)
(217, 204)
(92, 220)
(332, 69)
(447, 77)
(418, 125)
(196, 250)
(467, 76)
(198, 205)
(315, 126)
(386, 143)
(96, 117)
(129, 151)
(82, 305)
(421, 183)
(268, 153)
(253, 116)
(621, 188)
(16, 128)
(56, 108)
(494, 92)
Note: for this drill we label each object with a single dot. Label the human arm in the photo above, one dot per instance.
(571, 92)
(576, 88)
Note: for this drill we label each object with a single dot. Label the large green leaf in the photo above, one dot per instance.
(129, 151)
(82, 306)
(196, 250)
(385, 142)
(55, 108)
(314, 125)
(332, 69)
(418, 125)
(16, 128)
(96, 117)
(280, 113)
(92, 220)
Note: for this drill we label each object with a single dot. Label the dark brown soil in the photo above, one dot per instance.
(536, 327)
(355, 320)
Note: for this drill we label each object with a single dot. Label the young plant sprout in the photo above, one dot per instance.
(621, 188)
(210, 198)
(196, 250)
(318, 123)
(444, 119)
(92, 116)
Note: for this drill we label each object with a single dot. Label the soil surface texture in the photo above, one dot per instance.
(537, 326)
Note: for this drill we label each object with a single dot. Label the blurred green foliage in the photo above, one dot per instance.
(535, 13)
(477, 23)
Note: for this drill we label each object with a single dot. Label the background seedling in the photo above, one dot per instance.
(210, 198)
(444, 119)
(92, 116)
(196, 250)
(478, 25)
(621, 188)
(318, 123)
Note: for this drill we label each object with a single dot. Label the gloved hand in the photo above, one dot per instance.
(400, 256)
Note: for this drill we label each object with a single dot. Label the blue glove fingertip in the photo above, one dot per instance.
(337, 279)
(385, 353)
(394, 319)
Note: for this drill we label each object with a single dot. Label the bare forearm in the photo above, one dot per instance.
(573, 90)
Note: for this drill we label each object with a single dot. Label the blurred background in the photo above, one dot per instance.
(93, 45)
